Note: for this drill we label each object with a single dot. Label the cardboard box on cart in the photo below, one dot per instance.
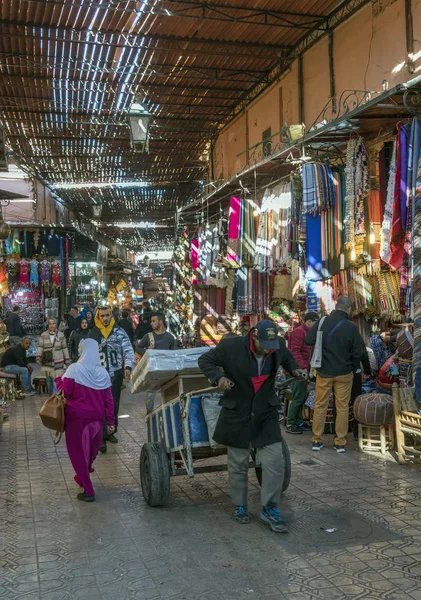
(170, 371)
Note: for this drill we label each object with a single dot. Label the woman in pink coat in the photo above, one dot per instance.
(87, 389)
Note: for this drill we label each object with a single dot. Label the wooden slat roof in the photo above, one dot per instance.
(70, 69)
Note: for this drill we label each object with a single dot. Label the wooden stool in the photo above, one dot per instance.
(8, 386)
(376, 437)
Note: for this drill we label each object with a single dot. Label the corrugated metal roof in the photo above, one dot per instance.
(70, 69)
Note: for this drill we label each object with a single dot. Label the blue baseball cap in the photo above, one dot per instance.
(267, 334)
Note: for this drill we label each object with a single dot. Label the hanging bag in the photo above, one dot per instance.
(52, 414)
(316, 358)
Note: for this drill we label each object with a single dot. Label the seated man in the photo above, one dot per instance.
(14, 361)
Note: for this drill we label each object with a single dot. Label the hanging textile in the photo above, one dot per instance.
(387, 216)
(195, 263)
(318, 188)
(362, 187)
(314, 248)
(357, 189)
(416, 216)
(350, 193)
(396, 232)
(234, 231)
(273, 236)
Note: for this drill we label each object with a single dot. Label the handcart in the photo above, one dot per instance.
(178, 436)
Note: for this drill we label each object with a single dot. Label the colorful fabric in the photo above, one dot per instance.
(387, 216)
(314, 248)
(234, 231)
(397, 233)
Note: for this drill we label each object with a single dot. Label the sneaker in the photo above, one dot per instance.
(294, 429)
(103, 448)
(339, 449)
(29, 393)
(305, 427)
(272, 515)
(241, 514)
(84, 498)
(317, 446)
(112, 439)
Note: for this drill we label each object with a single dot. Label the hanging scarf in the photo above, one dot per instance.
(416, 215)
(387, 216)
(397, 233)
(234, 232)
(105, 331)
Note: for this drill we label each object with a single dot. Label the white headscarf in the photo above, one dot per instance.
(88, 371)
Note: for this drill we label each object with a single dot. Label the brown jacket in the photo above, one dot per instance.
(60, 354)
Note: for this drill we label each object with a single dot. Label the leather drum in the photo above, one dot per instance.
(374, 409)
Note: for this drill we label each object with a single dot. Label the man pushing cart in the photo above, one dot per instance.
(245, 369)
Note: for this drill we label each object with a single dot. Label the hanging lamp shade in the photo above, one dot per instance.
(139, 121)
(4, 227)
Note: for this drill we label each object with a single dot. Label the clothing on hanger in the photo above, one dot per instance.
(34, 276)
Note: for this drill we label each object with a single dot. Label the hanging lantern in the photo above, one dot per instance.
(139, 122)
(4, 227)
(97, 208)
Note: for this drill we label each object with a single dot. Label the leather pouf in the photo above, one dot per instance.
(374, 409)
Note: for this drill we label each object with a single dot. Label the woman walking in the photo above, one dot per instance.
(52, 354)
(87, 389)
(76, 337)
(90, 317)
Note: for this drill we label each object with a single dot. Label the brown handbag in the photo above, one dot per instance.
(52, 414)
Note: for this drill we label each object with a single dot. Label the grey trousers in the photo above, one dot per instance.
(272, 460)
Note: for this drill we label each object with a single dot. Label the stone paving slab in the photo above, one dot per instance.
(53, 547)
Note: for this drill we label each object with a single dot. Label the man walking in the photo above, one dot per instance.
(73, 321)
(342, 350)
(117, 356)
(14, 327)
(301, 352)
(126, 324)
(158, 339)
(245, 368)
(15, 362)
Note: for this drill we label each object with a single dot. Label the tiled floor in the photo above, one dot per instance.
(53, 547)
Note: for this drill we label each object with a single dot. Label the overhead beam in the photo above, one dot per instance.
(74, 85)
(122, 39)
(152, 69)
(43, 100)
(99, 120)
(192, 9)
(179, 72)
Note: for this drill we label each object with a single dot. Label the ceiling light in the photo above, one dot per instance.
(139, 122)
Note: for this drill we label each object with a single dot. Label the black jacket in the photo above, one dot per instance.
(246, 418)
(343, 350)
(74, 340)
(143, 329)
(127, 325)
(73, 324)
(14, 325)
(15, 356)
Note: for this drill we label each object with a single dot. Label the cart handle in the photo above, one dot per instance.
(215, 389)
(204, 391)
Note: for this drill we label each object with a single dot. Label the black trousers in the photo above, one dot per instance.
(116, 385)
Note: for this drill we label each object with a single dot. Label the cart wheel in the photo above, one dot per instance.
(287, 466)
(154, 474)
